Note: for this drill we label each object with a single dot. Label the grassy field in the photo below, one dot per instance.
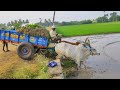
(89, 29)
(13, 67)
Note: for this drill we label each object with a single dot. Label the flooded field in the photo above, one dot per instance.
(107, 64)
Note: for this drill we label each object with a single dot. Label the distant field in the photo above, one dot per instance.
(89, 29)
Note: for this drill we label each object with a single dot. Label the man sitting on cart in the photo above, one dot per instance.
(55, 37)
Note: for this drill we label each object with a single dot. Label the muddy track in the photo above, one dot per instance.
(105, 51)
(106, 46)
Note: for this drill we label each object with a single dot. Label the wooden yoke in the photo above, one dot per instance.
(77, 43)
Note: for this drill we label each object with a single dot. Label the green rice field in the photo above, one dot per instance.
(89, 29)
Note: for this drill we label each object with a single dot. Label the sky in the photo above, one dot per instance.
(33, 16)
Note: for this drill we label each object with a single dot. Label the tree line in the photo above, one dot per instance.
(15, 23)
(114, 17)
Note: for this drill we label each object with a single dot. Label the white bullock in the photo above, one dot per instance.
(78, 52)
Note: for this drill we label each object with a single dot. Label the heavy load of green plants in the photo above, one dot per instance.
(34, 30)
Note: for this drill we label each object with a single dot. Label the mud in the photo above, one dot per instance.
(105, 66)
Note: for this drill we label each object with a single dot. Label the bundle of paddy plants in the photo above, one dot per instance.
(34, 30)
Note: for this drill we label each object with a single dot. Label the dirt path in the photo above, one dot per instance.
(8, 60)
(105, 66)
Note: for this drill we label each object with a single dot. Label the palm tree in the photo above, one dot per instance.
(104, 13)
(50, 22)
(40, 21)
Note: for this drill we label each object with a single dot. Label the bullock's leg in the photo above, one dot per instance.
(58, 57)
(62, 62)
(64, 57)
(82, 63)
(78, 65)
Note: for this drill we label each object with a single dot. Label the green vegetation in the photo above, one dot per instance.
(89, 29)
(35, 70)
(17, 23)
(34, 30)
(16, 68)
(69, 68)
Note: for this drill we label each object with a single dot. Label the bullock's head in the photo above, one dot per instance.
(92, 50)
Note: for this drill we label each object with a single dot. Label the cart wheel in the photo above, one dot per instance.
(25, 51)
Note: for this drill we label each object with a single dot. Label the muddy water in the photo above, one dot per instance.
(105, 66)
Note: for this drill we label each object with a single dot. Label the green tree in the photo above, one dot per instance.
(50, 22)
(12, 22)
(27, 21)
(102, 19)
(118, 18)
(46, 23)
(40, 21)
(8, 24)
(20, 21)
(113, 17)
(15, 21)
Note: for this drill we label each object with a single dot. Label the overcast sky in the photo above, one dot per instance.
(33, 16)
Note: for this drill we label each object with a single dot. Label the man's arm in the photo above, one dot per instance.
(56, 34)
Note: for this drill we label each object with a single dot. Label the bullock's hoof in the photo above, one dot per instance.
(79, 68)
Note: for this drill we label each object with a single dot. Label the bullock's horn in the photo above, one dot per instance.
(87, 41)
